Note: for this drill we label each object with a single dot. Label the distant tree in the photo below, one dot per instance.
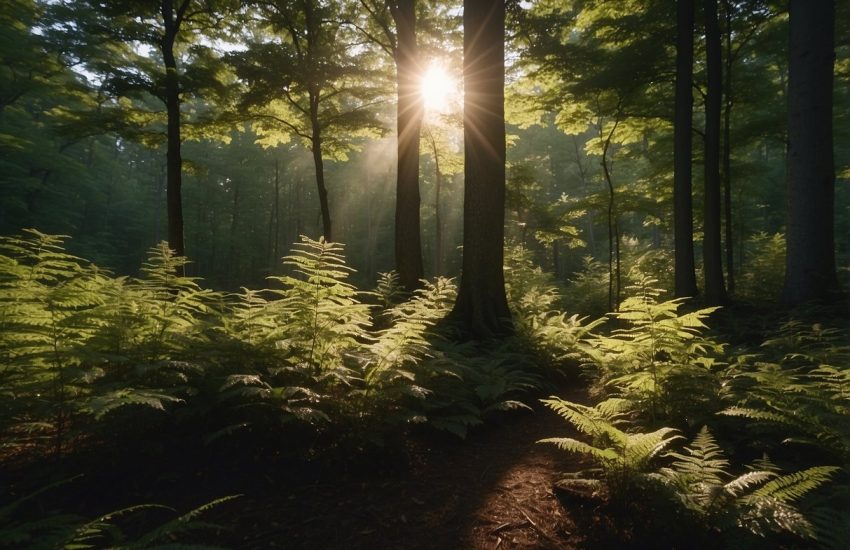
(810, 259)
(395, 23)
(683, 222)
(106, 36)
(304, 80)
(712, 251)
(481, 308)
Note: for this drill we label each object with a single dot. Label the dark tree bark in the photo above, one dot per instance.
(615, 279)
(683, 217)
(173, 16)
(810, 258)
(727, 151)
(712, 252)
(319, 165)
(314, 93)
(408, 240)
(481, 309)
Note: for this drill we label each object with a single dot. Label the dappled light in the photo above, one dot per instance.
(479, 274)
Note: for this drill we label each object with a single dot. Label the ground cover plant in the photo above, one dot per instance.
(323, 273)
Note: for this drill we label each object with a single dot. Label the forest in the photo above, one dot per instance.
(424, 274)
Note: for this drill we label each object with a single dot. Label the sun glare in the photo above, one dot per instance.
(439, 89)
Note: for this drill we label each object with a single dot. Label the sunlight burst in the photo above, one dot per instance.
(439, 89)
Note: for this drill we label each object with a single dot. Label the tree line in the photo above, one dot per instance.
(592, 138)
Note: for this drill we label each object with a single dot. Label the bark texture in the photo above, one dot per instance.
(408, 240)
(712, 250)
(482, 307)
(810, 259)
(683, 215)
(172, 17)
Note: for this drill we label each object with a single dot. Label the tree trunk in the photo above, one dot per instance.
(727, 152)
(810, 256)
(408, 240)
(438, 220)
(276, 244)
(614, 271)
(481, 308)
(683, 218)
(712, 252)
(318, 163)
(174, 163)
(232, 254)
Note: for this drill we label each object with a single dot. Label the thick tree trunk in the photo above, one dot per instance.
(712, 251)
(318, 163)
(810, 258)
(174, 163)
(408, 240)
(683, 217)
(481, 308)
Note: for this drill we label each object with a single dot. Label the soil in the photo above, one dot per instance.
(435, 491)
(494, 490)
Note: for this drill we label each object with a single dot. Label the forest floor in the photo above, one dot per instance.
(428, 490)
(493, 490)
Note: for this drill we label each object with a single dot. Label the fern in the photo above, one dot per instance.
(659, 359)
(760, 501)
(535, 299)
(803, 397)
(624, 457)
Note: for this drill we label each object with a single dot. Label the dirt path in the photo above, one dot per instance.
(492, 491)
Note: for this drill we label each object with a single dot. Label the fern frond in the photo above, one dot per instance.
(792, 487)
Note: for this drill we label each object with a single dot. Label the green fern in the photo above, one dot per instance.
(659, 359)
(535, 299)
(623, 457)
(803, 397)
(760, 501)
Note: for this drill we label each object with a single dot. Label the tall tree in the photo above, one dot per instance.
(683, 218)
(712, 252)
(408, 240)
(481, 308)
(810, 257)
(304, 80)
(166, 27)
(173, 16)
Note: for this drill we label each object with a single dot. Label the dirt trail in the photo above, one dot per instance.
(493, 490)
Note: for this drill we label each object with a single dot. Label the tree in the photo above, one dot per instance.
(810, 257)
(167, 27)
(304, 80)
(685, 282)
(712, 252)
(481, 308)
(408, 240)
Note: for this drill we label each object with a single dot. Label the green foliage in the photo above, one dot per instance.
(291, 349)
(468, 383)
(535, 299)
(658, 358)
(623, 457)
(587, 291)
(763, 271)
(59, 531)
(801, 397)
(77, 342)
(759, 501)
